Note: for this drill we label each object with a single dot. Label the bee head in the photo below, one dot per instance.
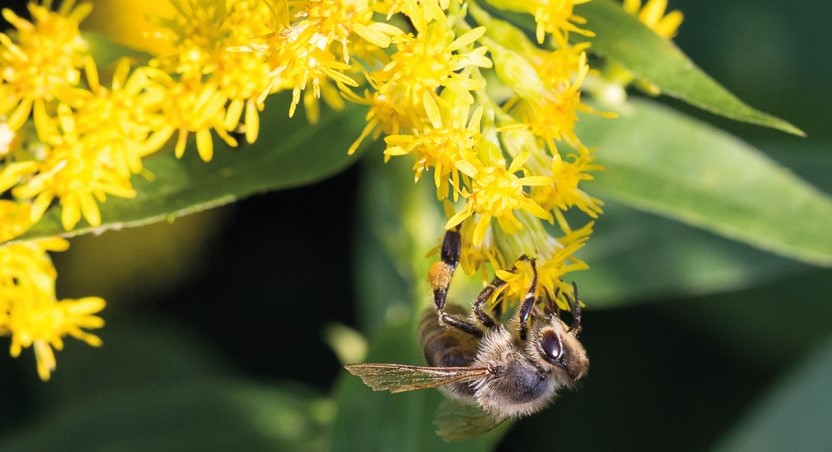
(559, 347)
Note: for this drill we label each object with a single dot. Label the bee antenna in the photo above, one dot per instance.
(551, 308)
(574, 307)
(529, 300)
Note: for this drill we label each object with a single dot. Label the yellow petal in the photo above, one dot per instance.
(482, 227)
(466, 168)
(535, 181)
(458, 218)
(90, 209)
(204, 144)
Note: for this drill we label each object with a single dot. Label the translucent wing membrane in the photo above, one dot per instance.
(457, 421)
(401, 378)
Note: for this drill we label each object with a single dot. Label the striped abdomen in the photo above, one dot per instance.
(445, 346)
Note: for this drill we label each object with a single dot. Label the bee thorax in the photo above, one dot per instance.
(515, 386)
(515, 389)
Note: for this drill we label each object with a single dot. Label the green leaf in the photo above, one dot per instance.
(795, 415)
(288, 153)
(661, 161)
(197, 414)
(636, 257)
(626, 41)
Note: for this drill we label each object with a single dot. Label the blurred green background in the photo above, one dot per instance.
(215, 323)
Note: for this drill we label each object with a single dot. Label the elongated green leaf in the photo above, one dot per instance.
(795, 415)
(207, 415)
(626, 41)
(636, 257)
(288, 153)
(662, 161)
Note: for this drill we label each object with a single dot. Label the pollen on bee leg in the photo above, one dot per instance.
(439, 278)
(439, 275)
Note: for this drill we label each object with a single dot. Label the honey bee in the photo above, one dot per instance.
(492, 371)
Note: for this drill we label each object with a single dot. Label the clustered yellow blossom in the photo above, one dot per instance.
(68, 141)
(492, 114)
(29, 311)
(460, 91)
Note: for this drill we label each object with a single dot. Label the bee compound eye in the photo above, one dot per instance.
(551, 345)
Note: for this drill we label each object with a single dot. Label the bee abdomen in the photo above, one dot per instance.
(446, 346)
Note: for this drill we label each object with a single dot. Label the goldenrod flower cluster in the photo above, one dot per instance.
(29, 310)
(466, 95)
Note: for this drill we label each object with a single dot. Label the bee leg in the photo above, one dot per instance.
(439, 277)
(460, 324)
(574, 307)
(528, 301)
(483, 296)
(441, 272)
(497, 283)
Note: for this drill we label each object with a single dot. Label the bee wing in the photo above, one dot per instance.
(457, 421)
(401, 377)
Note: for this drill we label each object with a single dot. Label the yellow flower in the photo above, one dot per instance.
(45, 321)
(553, 118)
(214, 44)
(420, 12)
(29, 311)
(13, 172)
(467, 95)
(441, 145)
(197, 34)
(386, 114)
(561, 66)
(556, 263)
(124, 119)
(652, 15)
(431, 60)
(77, 170)
(326, 22)
(41, 58)
(554, 17)
(14, 219)
(555, 257)
(496, 193)
(474, 257)
(312, 48)
(242, 77)
(191, 106)
(563, 192)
